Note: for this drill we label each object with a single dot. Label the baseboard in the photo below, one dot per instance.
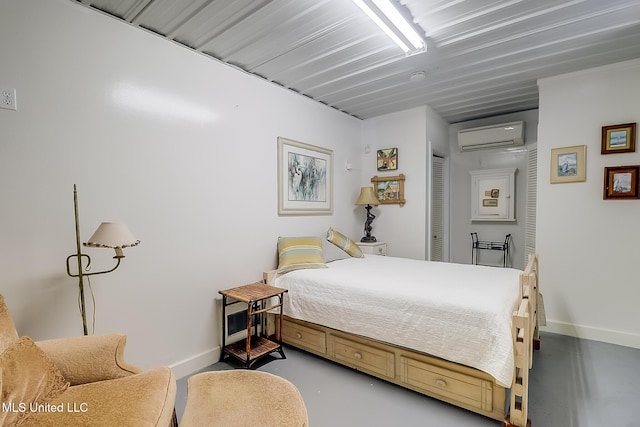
(597, 334)
(195, 363)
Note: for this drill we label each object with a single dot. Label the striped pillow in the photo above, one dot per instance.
(344, 243)
(295, 253)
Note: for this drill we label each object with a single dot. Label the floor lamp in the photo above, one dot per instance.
(108, 235)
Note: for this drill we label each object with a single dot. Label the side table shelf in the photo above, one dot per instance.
(257, 297)
(259, 346)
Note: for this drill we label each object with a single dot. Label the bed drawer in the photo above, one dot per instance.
(362, 356)
(303, 337)
(453, 386)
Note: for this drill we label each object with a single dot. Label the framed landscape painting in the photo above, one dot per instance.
(619, 138)
(305, 179)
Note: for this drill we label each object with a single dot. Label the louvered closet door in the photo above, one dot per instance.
(437, 209)
(532, 196)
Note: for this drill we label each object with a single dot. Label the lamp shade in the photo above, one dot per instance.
(367, 197)
(112, 235)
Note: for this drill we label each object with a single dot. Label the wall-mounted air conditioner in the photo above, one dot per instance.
(503, 135)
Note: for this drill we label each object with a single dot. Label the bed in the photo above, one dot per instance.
(461, 333)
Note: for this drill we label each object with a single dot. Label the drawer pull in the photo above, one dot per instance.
(357, 355)
(441, 383)
(298, 335)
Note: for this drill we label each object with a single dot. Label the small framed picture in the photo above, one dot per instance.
(389, 189)
(387, 159)
(621, 182)
(619, 139)
(569, 164)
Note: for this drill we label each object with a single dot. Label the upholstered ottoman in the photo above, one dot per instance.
(240, 398)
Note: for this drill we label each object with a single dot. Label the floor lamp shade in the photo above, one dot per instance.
(112, 235)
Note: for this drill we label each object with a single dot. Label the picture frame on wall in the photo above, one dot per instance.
(621, 182)
(387, 159)
(305, 179)
(389, 189)
(493, 194)
(619, 138)
(569, 164)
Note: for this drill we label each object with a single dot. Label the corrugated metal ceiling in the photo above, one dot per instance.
(484, 57)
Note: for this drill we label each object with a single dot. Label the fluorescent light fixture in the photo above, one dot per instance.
(385, 14)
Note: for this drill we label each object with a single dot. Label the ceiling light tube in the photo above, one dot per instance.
(400, 22)
(383, 13)
(380, 23)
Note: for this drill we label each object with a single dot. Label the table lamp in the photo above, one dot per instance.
(368, 198)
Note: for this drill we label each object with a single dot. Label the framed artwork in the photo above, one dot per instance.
(569, 164)
(387, 159)
(305, 179)
(492, 194)
(619, 138)
(621, 182)
(389, 189)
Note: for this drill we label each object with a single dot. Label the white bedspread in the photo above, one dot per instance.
(457, 312)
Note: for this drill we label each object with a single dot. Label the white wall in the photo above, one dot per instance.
(176, 145)
(437, 133)
(589, 246)
(416, 133)
(497, 158)
(403, 228)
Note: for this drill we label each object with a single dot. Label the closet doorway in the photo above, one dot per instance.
(437, 225)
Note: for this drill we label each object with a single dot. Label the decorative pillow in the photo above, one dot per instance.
(295, 253)
(344, 243)
(29, 377)
(331, 252)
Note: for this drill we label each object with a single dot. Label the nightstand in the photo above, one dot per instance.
(375, 248)
(258, 298)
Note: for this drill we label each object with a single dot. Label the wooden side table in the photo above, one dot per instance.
(256, 296)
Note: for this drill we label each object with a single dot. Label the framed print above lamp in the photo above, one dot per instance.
(619, 139)
(387, 159)
(569, 164)
(389, 189)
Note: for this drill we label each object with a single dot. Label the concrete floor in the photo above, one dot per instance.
(574, 383)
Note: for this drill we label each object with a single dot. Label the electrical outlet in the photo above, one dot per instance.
(8, 98)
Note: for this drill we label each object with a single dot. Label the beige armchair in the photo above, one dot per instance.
(79, 381)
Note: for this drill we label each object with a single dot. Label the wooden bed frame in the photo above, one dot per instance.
(457, 384)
